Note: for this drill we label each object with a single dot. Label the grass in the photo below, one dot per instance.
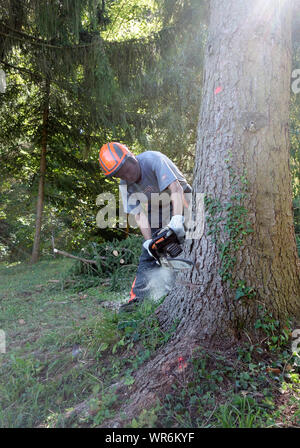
(64, 348)
(39, 376)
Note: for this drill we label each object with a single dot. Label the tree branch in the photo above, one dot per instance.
(41, 43)
(84, 260)
(24, 70)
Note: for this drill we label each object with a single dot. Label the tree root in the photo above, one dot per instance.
(152, 382)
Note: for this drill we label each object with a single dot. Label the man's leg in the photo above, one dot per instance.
(151, 279)
(147, 268)
(141, 287)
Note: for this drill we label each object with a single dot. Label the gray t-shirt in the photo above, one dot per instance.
(157, 173)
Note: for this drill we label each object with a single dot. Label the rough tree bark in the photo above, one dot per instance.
(245, 112)
(41, 189)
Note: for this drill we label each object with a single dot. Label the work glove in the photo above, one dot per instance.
(176, 224)
(146, 245)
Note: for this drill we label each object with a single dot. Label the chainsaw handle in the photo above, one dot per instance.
(165, 242)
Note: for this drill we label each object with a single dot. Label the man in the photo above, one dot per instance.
(143, 178)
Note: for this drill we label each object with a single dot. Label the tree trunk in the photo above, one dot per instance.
(244, 119)
(41, 189)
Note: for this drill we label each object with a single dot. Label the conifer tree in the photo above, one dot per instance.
(143, 89)
(63, 53)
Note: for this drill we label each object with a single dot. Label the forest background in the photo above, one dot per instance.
(75, 74)
(79, 74)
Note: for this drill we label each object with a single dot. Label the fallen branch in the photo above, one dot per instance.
(84, 260)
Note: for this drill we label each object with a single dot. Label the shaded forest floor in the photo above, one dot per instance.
(66, 350)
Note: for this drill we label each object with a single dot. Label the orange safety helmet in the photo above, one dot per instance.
(112, 156)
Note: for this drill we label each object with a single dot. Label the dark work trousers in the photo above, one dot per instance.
(151, 279)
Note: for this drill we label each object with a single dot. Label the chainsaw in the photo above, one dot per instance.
(165, 247)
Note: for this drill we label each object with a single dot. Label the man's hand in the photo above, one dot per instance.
(176, 224)
(146, 245)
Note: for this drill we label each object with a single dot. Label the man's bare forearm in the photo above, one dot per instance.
(144, 226)
(176, 197)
